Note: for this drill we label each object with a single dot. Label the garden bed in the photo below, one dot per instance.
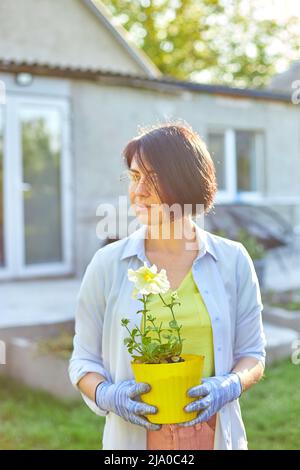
(39, 356)
(282, 317)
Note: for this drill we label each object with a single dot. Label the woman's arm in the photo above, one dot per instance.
(249, 348)
(250, 341)
(87, 353)
(215, 392)
(250, 371)
(89, 383)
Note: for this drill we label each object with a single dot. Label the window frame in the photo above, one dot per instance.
(13, 203)
(231, 193)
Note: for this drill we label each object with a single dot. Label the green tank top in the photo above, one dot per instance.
(192, 314)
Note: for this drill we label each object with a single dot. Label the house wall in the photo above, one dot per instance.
(106, 117)
(76, 37)
(103, 118)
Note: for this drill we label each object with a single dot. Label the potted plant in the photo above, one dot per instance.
(157, 352)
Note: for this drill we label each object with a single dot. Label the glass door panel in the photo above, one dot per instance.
(41, 152)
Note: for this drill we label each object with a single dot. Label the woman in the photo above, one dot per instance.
(168, 166)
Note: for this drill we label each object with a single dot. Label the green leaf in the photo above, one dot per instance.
(151, 318)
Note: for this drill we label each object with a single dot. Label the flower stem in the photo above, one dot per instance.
(144, 300)
(171, 308)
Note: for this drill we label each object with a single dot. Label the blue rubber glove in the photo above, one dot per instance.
(212, 394)
(119, 398)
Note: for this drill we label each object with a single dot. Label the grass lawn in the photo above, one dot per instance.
(35, 420)
(271, 410)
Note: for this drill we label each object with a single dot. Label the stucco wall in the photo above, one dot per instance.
(105, 118)
(60, 32)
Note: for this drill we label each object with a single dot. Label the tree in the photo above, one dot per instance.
(216, 41)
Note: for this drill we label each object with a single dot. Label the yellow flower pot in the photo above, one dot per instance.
(169, 385)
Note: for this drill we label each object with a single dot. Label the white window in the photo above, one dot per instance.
(238, 155)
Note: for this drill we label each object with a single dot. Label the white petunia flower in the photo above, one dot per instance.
(148, 280)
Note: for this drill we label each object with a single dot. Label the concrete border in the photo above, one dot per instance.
(25, 362)
(282, 317)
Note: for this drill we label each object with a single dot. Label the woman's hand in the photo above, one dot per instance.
(119, 398)
(212, 394)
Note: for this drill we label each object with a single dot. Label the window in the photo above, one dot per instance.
(238, 157)
(246, 161)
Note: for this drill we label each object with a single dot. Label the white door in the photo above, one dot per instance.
(35, 190)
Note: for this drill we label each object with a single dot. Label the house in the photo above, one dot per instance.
(73, 91)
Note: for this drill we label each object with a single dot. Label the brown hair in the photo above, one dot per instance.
(184, 168)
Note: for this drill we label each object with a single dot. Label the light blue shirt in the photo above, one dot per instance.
(225, 276)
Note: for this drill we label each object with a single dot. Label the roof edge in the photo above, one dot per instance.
(121, 35)
(163, 84)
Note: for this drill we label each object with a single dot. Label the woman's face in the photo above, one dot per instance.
(143, 198)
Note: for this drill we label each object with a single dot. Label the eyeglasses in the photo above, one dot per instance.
(135, 178)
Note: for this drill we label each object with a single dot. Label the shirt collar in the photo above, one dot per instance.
(135, 245)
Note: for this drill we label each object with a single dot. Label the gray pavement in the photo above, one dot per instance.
(37, 302)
